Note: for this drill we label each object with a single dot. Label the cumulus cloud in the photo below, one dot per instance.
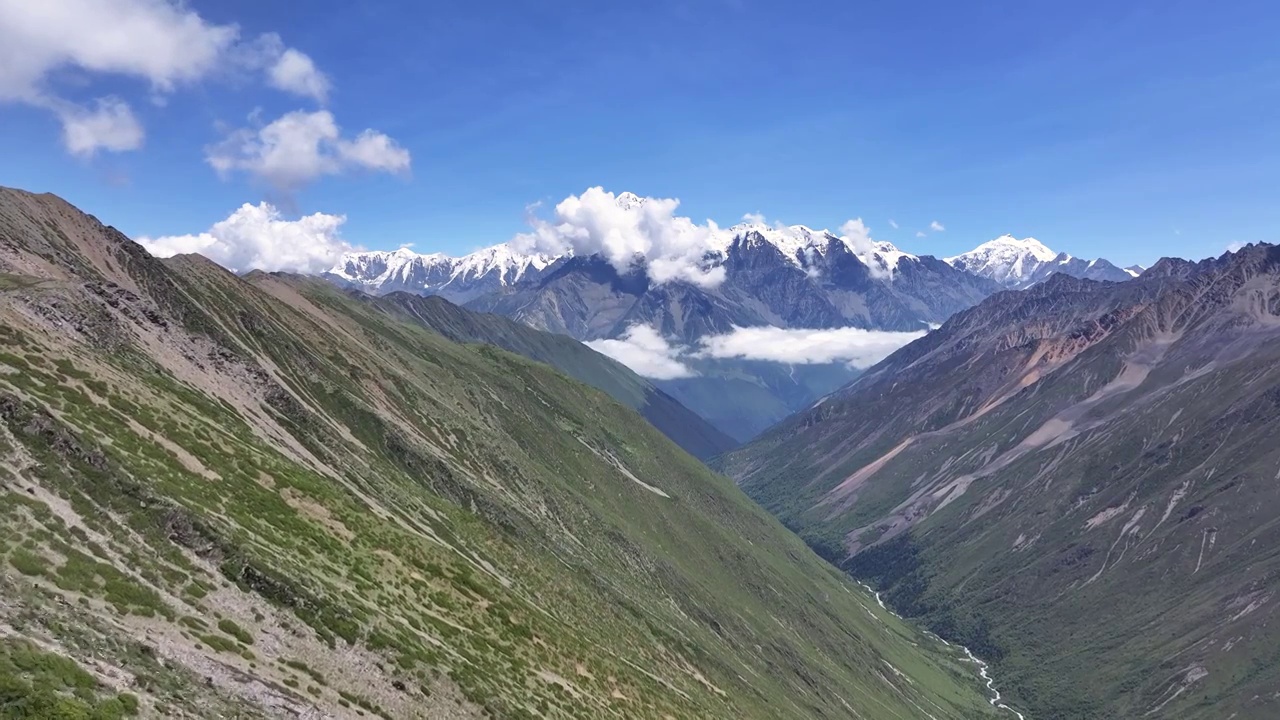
(622, 227)
(754, 218)
(853, 346)
(893, 224)
(259, 237)
(643, 349)
(110, 125)
(857, 236)
(936, 226)
(647, 352)
(161, 42)
(300, 147)
(293, 71)
(920, 233)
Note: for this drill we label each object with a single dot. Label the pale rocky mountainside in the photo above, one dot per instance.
(1081, 481)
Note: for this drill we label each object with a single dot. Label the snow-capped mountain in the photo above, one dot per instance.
(809, 249)
(1022, 263)
(463, 278)
(771, 275)
(458, 278)
(749, 275)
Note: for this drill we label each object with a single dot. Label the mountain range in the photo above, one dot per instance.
(262, 496)
(772, 276)
(1019, 264)
(1078, 480)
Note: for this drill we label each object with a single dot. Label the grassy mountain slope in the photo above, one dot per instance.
(1079, 481)
(570, 357)
(261, 496)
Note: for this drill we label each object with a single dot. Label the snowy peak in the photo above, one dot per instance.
(1004, 252)
(460, 278)
(1007, 260)
(808, 248)
(1022, 263)
(795, 242)
(508, 265)
(883, 255)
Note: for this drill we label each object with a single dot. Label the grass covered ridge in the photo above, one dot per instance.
(312, 503)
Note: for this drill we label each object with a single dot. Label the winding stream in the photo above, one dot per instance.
(984, 670)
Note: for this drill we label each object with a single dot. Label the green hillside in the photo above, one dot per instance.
(264, 497)
(570, 357)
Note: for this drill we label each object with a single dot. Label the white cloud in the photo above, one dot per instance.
(857, 236)
(111, 125)
(628, 230)
(161, 42)
(300, 147)
(856, 233)
(1236, 246)
(258, 237)
(625, 226)
(854, 346)
(282, 67)
(893, 224)
(936, 226)
(372, 150)
(644, 350)
(294, 72)
(919, 233)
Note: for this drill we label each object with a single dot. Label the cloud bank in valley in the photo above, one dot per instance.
(853, 346)
(259, 237)
(643, 349)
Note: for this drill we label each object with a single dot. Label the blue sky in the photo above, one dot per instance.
(1128, 130)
